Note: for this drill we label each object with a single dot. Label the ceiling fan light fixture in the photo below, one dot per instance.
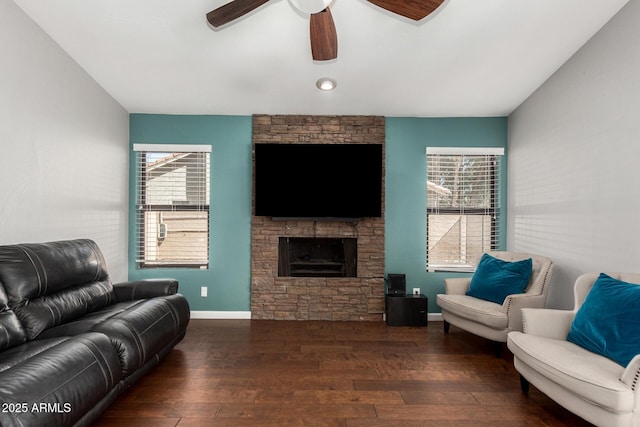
(326, 84)
(310, 6)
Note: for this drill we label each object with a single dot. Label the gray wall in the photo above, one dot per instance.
(64, 145)
(574, 147)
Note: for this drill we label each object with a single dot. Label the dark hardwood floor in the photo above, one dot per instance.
(348, 374)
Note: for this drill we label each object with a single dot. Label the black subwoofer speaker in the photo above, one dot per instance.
(396, 284)
(406, 311)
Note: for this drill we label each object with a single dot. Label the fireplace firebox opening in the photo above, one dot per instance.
(317, 257)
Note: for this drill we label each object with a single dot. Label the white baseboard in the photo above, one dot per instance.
(434, 317)
(221, 315)
(431, 317)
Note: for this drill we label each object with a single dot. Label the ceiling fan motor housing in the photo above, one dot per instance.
(310, 6)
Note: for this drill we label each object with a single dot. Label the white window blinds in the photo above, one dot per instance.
(463, 206)
(172, 205)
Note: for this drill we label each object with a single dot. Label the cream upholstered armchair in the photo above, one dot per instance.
(592, 382)
(493, 320)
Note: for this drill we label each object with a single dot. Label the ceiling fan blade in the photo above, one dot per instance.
(412, 9)
(232, 10)
(324, 39)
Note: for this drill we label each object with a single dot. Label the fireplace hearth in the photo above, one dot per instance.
(317, 257)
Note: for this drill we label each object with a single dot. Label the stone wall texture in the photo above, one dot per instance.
(311, 298)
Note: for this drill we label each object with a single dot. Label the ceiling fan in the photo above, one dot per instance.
(324, 39)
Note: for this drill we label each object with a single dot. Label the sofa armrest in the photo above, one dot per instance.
(146, 288)
(457, 285)
(548, 323)
(631, 374)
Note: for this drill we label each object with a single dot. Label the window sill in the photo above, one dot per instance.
(451, 269)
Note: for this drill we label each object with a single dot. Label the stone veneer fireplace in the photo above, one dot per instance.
(309, 297)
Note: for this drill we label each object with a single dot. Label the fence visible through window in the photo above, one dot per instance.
(463, 206)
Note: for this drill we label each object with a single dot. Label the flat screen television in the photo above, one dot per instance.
(318, 181)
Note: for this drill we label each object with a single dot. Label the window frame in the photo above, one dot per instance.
(142, 207)
(494, 211)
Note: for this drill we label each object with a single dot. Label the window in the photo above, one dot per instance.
(172, 205)
(463, 206)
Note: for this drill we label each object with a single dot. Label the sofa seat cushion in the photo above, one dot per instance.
(143, 331)
(486, 312)
(64, 380)
(139, 330)
(589, 375)
(15, 355)
(88, 321)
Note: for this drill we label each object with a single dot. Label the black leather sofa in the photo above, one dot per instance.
(70, 340)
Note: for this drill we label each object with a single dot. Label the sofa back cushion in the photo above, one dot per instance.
(51, 283)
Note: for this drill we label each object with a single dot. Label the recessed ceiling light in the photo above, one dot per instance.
(326, 84)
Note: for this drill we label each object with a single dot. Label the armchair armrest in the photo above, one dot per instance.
(146, 288)
(548, 323)
(631, 374)
(513, 305)
(457, 285)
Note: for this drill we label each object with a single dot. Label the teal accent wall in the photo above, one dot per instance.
(406, 198)
(229, 274)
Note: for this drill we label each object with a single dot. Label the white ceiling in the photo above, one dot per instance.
(469, 58)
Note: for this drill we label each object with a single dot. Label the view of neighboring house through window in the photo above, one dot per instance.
(463, 206)
(172, 205)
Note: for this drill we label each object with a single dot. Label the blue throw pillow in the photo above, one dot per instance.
(496, 279)
(608, 322)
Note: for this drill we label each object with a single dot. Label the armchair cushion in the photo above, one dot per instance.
(495, 279)
(475, 310)
(575, 369)
(607, 323)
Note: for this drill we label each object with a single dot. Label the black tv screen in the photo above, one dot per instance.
(318, 180)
